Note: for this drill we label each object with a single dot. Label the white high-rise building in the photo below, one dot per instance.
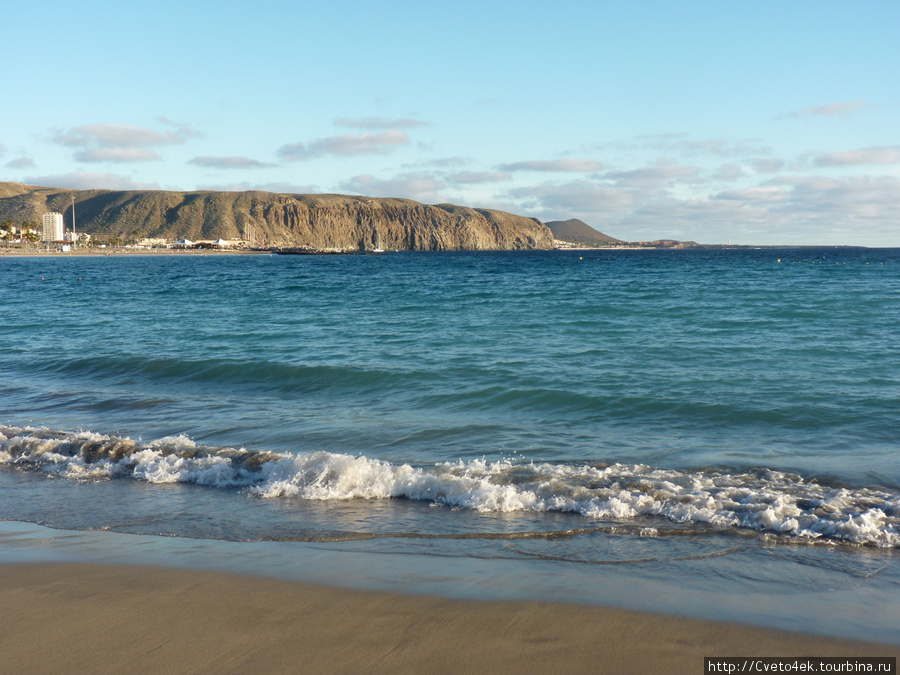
(54, 230)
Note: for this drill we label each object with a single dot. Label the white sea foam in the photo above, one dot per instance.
(770, 501)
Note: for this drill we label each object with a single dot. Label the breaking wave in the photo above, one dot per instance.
(764, 501)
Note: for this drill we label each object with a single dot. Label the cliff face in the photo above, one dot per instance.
(320, 221)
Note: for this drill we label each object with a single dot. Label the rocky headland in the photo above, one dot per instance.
(316, 221)
(579, 232)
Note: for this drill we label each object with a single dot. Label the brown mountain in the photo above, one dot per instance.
(579, 232)
(319, 221)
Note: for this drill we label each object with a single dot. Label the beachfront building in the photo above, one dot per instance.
(78, 237)
(54, 229)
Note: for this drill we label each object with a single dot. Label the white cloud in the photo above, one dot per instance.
(682, 144)
(855, 209)
(118, 135)
(276, 187)
(120, 142)
(580, 196)
(346, 145)
(229, 163)
(441, 163)
(20, 163)
(478, 177)
(846, 194)
(183, 130)
(829, 109)
(379, 123)
(729, 172)
(654, 176)
(873, 155)
(419, 187)
(83, 180)
(787, 210)
(767, 164)
(116, 155)
(554, 165)
(767, 194)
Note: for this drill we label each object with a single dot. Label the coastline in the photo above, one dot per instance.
(118, 618)
(99, 253)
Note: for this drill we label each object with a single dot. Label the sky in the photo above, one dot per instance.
(710, 121)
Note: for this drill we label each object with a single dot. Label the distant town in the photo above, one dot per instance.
(52, 236)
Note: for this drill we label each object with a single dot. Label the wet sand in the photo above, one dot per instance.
(84, 618)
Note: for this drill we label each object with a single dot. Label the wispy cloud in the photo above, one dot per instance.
(229, 163)
(276, 187)
(117, 155)
(756, 194)
(117, 135)
(441, 163)
(729, 172)
(767, 164)
(419, 187)
(873, 155)
(683, 144)
(379, 123)
(787, 209)
(554, 165)
(574, 197)
(478, 177)
(654, 176)
(184, 130)
(345, 145)
(828, 110)
(20, 163)
(120, 142)
(84, 180)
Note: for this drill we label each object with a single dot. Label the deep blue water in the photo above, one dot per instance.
(681, 401)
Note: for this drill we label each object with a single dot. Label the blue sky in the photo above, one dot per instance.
(755, 123)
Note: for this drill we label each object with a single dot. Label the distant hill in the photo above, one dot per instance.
(579, 232)
(318, 221)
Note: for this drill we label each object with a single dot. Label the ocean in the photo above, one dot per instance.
(701, 432)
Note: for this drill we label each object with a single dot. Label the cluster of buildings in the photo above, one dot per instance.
(52, 232)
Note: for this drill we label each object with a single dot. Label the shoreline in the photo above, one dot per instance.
(103, 253)
(120, 618)
(828, 614)
(96, 252)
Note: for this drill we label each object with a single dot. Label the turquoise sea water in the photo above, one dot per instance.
(569, 423)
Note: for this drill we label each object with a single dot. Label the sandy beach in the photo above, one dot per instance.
(81, 618)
